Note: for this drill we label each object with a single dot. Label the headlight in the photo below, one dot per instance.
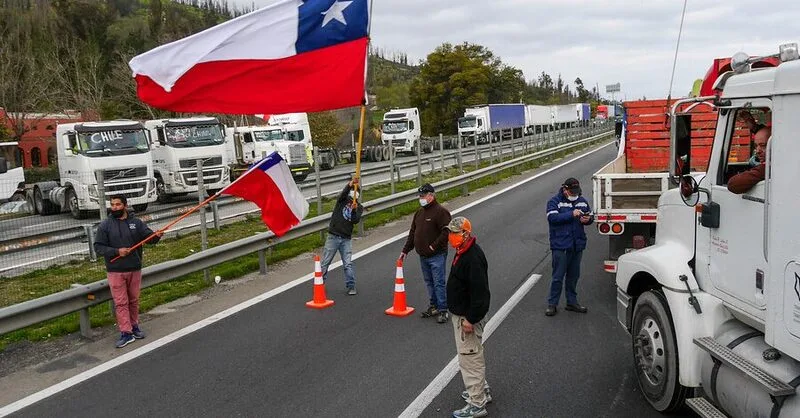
(92, 189)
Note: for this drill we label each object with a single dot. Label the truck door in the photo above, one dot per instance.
(736, 263)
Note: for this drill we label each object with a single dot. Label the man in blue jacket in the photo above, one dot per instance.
(567, 213)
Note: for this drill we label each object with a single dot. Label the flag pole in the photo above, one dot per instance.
(363, 105)
(358, 147)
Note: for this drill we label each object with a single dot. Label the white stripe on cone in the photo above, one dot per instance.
(399, 273)
(318, 280)
(399, 287)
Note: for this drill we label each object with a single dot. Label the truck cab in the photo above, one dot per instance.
(12, 178)
(119, 149)
(298, 148)
(713, 306)
(473, 126)
(177, 145)
(401, 129)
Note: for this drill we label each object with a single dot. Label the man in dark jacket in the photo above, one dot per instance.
(428, 237)
(468, 295)
(115, 235)
(346, 213)
(567, 213)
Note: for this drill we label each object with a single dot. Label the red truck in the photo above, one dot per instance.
(626, 191)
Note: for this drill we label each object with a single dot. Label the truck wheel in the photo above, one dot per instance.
(43, 206)
(331, 163)
(387, 153)
(73, 206)
(161, 191)
(655, 353)
(300, 177)
(211, 192)
(140, 208)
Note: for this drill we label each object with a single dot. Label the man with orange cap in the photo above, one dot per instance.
(468, 300)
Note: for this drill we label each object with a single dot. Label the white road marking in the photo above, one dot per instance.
(131, 355)
(447, 374)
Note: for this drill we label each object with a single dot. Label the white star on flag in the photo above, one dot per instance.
(335, 12)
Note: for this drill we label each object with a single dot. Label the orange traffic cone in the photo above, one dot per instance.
(399, 308)
(320, 301)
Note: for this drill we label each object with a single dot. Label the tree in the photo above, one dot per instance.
(583, 94)
(325, 128)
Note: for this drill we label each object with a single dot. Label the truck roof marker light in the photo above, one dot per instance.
(604, 228)
(616, 228)
(789, 52)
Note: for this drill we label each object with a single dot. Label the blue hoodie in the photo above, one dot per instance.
(113, 234)
(566, 231)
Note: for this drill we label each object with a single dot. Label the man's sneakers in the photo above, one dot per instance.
(125, 338)
(430, 312)
(443, 317)
(576, 307)
(465, 395)
(551, 310)
(351, 291)
(470, 411)
(137, 333)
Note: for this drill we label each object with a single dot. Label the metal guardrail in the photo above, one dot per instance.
(81, 297)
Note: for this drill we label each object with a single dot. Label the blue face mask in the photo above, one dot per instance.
(423, 202)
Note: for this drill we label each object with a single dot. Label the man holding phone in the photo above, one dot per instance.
(568, 213)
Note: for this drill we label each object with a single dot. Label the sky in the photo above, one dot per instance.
(631, 42)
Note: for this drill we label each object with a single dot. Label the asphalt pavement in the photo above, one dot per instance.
(279, 358)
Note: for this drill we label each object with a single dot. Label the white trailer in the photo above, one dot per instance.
(12, 178)
(564, 116)
(538, 119)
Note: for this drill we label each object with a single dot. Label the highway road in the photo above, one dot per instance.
(278, 358)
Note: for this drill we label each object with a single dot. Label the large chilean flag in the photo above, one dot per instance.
(290, 56)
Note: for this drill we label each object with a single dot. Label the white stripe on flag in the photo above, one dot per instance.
(280, 174)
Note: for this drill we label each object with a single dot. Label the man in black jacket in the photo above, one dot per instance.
(346, 213)
(468, 298)
(115, 235)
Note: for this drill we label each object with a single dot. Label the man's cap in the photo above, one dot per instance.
(425, 189)
(459, 224)
(573, 185)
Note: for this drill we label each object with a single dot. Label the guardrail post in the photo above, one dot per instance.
(215, 213)
(419, 163)
(460, 156)
(441, 154)
(433, 167)
(317, 180)
(85, 320)
(89, 231)
(262, 262)
(477, 152)
(391, 172)
(101, 193)
(201, 189)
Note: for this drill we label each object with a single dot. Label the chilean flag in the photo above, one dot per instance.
(269, 185)
(290, 56)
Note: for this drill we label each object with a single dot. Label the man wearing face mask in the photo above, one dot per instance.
(428, 237)
(115, 236)
(567, 213)
(346, 213)
(469, 296)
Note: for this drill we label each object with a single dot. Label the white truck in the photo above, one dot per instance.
(118, 148)
(492, 122)
(713, 307)
(538, 119)
(288, 135)
(402, 130)
(564, 116)
(12, 178)
(177, 144)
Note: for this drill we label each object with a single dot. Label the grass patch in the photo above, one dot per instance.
(47, 281)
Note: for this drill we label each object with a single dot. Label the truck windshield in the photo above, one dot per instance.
(266, 136)
(394, 127)
(295, 136)
(194, 136)
(114, 142)
(12, 155)
(466, 122)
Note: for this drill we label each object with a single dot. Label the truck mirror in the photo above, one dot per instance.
(248, 138)
(161, 139)
(680, 151)
(72, 142)
(3, 165)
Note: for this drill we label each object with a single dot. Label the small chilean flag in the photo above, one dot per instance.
(290, 56)
(269, 185)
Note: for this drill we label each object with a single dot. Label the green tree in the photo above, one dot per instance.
(325, 129)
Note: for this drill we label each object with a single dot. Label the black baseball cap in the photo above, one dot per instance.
(573, 185)
(425, 189)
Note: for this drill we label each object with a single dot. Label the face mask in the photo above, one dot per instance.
(572, 198)
(456, 239)
(423, 202)
(118, 213)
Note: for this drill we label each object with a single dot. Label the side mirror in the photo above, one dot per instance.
(161, 139)
(3, 165)
(72, 144)
(248, 138)
(681, 149)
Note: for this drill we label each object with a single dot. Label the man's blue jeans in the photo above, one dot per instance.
(433, 273)
(566, 263)
(345, 248)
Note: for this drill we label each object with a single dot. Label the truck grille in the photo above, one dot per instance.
(398, 142)
(209, 177)
(129, 190)
(207, 162)
(297, 154)
(124, 173)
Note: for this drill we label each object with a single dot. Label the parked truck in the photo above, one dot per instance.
(177, 145)
(402, 130)
(564, 116)
(538, 119)
(492, 122)
(249, 144)
(12, 178)
(583, 113)
(712, 307)
(119, 149)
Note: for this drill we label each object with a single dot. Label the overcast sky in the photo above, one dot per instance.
(627, 41)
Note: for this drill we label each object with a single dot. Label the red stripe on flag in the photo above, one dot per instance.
(323, 79)
(259, 188)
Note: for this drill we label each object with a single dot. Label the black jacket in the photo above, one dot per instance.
(427, 229)
(343, 217)
(113, 234)
(468, 284)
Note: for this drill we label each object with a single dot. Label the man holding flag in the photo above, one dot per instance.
(346, 213)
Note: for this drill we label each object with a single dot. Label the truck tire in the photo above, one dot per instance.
(299, 178)
(71, 200)
(655, 353)
(42, 205)
(140, 208)
(161, 191)
(386, 153)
